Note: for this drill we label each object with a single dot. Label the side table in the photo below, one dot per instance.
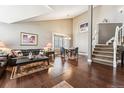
(50, 53)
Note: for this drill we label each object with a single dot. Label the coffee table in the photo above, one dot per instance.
(25, 60)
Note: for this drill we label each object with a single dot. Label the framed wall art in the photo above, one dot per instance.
(83, 27)
(28, 39)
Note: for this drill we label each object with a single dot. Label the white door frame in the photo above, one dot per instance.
(59, 34)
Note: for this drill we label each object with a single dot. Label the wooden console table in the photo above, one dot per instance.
(49, 53)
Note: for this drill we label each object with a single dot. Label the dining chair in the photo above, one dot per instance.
(62, 52)
(76, 52)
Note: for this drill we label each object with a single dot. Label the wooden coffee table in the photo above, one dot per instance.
(25, 60)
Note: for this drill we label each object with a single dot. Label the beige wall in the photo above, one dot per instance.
(10, 33)
(110, 12)
(80, 39)
(100, 12)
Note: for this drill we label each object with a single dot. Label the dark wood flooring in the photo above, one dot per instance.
(78, 74)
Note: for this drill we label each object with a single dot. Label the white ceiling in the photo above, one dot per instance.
(24, 13)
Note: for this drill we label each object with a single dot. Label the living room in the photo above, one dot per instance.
(47, 33)
(53, 27)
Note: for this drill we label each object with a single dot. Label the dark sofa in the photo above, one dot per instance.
(3, 64)
(2, 67)
(25, 52)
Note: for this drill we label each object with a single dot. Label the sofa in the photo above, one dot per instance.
(25, 52)
(3, 64)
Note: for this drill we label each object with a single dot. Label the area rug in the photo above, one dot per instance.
(28, 69)
(63, 84)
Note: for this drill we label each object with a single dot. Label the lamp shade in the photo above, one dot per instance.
(49, 45)
(2, 45)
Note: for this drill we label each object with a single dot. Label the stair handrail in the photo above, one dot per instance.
(94, 38)
(109, 40)
(117, 41)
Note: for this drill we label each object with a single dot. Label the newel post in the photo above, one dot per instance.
(115, 47)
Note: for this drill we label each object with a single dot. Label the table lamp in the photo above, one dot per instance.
(2, 45)
(49, 46)
(4, 49)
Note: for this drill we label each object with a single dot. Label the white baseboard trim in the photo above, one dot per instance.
(89, 60)
(83, 54)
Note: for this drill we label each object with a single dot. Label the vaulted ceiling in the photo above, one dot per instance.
(25, 13)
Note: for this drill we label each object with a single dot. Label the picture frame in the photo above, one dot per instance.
(28, 39)
(83, 27)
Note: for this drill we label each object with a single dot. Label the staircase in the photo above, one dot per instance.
(108, 53)
(103, 54)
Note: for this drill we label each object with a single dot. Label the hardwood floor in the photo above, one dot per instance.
(78, 74)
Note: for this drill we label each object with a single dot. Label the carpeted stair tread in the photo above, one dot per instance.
(103, 52)
(109, 64)
(99, 55)
(104, 48)
(102, 60)
(104, 45)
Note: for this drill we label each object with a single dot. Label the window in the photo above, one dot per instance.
(58, 41)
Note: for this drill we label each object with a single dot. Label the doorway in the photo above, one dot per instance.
(60, 40)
